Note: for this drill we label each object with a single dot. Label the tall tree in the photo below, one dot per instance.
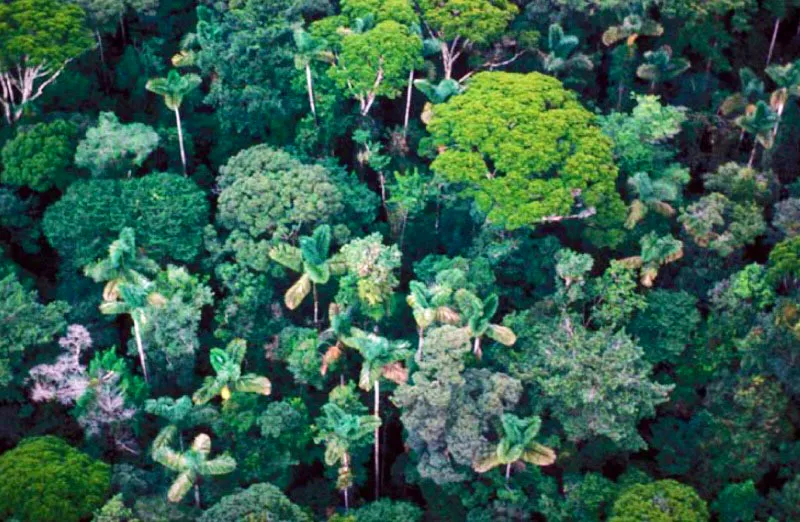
(661, 67)
(561, 56)
(478, 314)
(760, 121)
(227, 365)
(341, 432)
(382, 358)
(460, 24)
(523, 175)
(173, 88)
(38, 39)
(312, 260)
(191, 464)
(517, 444)
(127, 289)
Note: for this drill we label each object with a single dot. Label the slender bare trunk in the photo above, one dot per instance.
(122, 27)
(382, 181)
(180, 138)
(316, 304)
(774, 37)
(403, 229)
(310, 87)
(752, 155)
(420, 344)
(197, 496)
(476, 348)
(508, 472)
(346, 467)
(139, 346)
(100, 46)
(409, 92)
(377, 440)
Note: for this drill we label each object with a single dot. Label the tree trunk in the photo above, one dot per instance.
(508, 472)
(346, 466)
(409, 92)
(100, 46)
(448, 65)
(139, 346)
(310, 87)
(420, 344)
(180, 138)
(316, 304)
(476, 348)
(377, 440)
(382, 182)
(774, 37)
(197, 496)
(752, 155)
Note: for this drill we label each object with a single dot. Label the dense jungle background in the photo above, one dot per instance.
(399, 260)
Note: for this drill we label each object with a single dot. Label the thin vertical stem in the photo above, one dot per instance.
(310, 87)
(139, 346)
(377, 440)
(774, 37)
(180, 138)
(409, 92)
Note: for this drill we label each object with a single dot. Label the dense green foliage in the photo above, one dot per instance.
(47, 480)
(414, 260)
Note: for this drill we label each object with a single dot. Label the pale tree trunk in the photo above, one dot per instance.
(476, 348)
(449, 57)
(139, 346)
(403, 228)
(508, 471)
(197, 496)
(316, 304)
(752, 155)
(346, 466)
(18, 86)
(310, 88)
(377, 440)
(774, 37)
(180, 138)
(420, 344)
(100, 46)
(409, 91)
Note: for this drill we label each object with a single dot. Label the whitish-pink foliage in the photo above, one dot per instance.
(66, 379)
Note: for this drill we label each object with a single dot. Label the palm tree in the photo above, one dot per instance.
(133, 300)
(478, 314)
(517, 444)
(308, 48)
(227, 365)
(758, 120)
(752, 89)
(661, 66)
(436, 93)
(655, 194)
(191, 465)
(381, 359)
(560, 57)
(127, 290)
(787, 78)
(173, 88)
(341, 431)
(311, 261)
(655, 253)
(429, 305)
(181, 413)
(631, 28)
